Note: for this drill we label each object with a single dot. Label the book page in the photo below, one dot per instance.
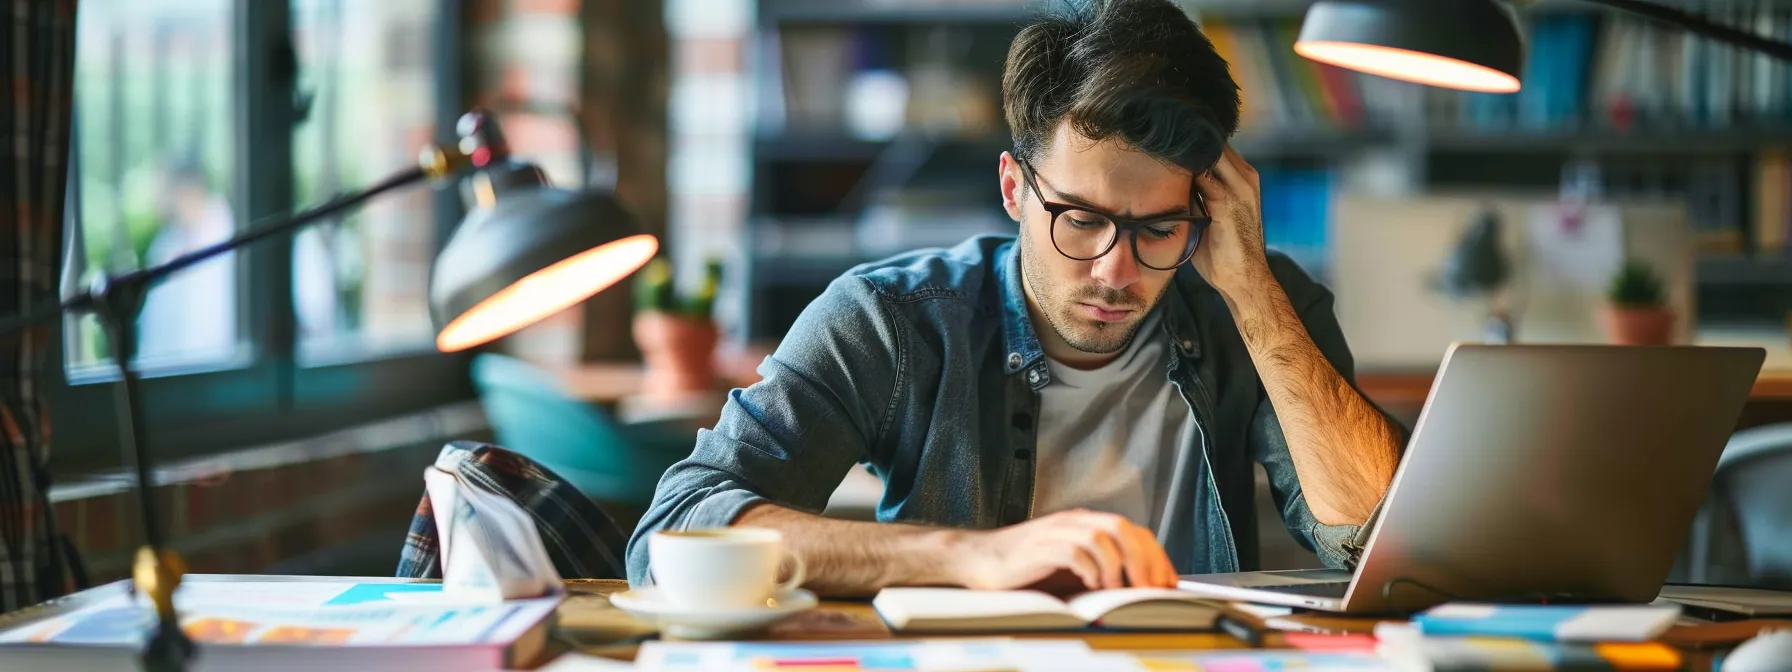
(900, 605)
(444, 494)
(1091, 606)
(524, 568)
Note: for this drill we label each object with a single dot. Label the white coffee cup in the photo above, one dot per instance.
(721, 568)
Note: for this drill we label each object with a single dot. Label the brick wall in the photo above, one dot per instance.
(623, 82)
(281, 509)
(710, 113)
(580, 83)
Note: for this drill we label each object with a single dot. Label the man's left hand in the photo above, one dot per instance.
(1230, 255)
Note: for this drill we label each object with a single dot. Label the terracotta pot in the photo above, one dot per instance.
(1638, 326)
(679, 351)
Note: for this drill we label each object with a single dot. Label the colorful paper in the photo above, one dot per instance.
(292, 613)
(879, 656)
(1262, 661)
(1548, 623)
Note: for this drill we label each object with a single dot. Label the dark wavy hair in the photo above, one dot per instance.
(1136, 70)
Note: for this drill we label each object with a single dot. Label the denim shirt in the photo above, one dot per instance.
(926, 368)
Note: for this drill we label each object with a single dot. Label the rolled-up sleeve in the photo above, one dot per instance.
(821, 405)
(1338, 546)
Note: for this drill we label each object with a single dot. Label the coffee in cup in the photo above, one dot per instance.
(720, 568)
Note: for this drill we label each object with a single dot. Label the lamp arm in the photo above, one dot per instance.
(90, 299)
(288, 224)
(1694, 23)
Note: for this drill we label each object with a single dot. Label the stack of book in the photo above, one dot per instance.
(1617, 72)
(1499, 637)
(284, 623)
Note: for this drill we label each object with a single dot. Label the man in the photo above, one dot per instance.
(1081, 402)
(191, 315)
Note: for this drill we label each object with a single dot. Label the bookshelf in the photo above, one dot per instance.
(1681, 117)
(1599, 141)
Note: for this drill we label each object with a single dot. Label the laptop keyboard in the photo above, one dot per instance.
(1328, 589)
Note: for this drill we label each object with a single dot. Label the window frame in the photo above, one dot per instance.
(270, 397)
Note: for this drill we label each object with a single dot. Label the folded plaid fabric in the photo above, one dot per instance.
(583, 541)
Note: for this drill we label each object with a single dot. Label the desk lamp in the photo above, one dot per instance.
(1472, 45)
(526, 251)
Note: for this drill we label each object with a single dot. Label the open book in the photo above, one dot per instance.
(491, 551)
(958, 609)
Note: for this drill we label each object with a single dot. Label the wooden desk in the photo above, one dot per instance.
(588, 621)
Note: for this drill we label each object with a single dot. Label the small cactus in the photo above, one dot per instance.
(1636, 286)
(704, 303)
(656, 290)
(654, 287)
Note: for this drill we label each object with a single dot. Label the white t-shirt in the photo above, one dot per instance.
(1108, 437)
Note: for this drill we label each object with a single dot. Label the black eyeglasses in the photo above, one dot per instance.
(1160, 243)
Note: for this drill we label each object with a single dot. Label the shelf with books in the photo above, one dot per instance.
(982, 11)
(895, 11)
(1309, 141)
(841, 147)
(1290, 141)
(1318, 141)
(1768, 270)
(803, 270)
(1578, 140)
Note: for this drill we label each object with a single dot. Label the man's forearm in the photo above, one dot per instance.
(1344, 450)
(844, 557)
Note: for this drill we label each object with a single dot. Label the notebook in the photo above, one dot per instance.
(961, 610)
(1405, 648)
(1750, 602)
(1558, 623)
(272, 622)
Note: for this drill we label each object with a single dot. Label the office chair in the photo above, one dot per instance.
(1743, 533)
(610, 462)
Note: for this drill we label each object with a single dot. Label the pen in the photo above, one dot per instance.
(1251, 636)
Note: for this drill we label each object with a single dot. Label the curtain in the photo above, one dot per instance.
(37, 56)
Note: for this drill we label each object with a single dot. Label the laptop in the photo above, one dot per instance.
(1569, 473)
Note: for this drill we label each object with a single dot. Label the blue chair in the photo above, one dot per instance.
(608, 461)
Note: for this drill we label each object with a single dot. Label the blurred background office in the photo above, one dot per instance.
(1638, 189)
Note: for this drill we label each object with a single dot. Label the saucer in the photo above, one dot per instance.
(647, 605)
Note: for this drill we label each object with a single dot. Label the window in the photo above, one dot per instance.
(195, 119)
(361, 284)
(155, 174)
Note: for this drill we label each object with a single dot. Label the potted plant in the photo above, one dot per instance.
(1637, 311)
(677, 335)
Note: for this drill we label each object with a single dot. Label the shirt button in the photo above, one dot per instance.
(1013, 360)
(1187, 345)
(1033, 376)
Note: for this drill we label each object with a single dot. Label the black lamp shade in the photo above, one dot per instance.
(528, 250)
(1473, 45)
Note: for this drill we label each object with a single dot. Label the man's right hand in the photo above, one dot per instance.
(1102, 549)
